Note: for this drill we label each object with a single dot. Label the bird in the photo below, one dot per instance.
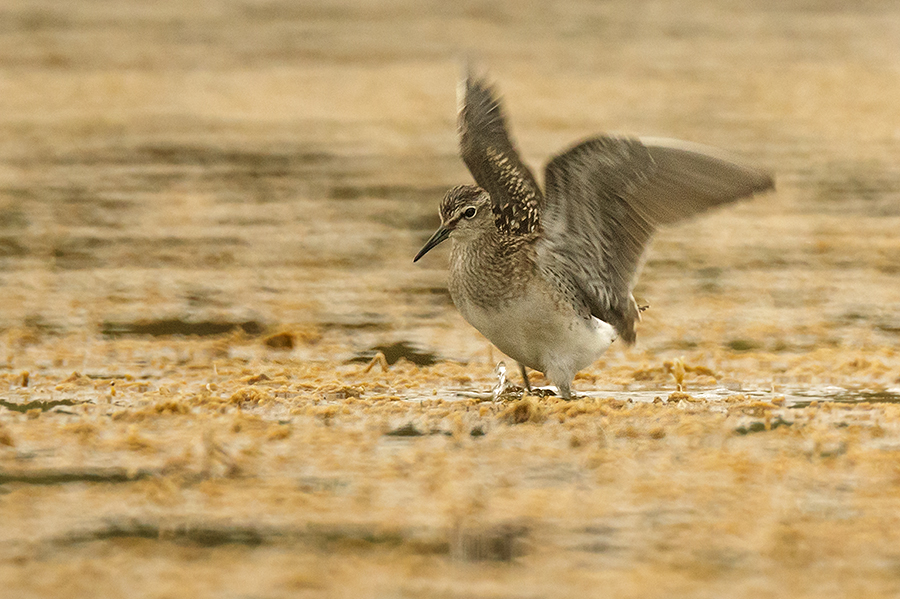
(547, 275)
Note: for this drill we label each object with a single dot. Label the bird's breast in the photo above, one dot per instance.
(525, 316)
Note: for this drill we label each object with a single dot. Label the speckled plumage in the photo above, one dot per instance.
(548, 277)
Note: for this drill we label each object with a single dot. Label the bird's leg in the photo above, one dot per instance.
(561, 376)
(525, 380)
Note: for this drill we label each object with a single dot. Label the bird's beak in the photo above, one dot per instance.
(439, 236)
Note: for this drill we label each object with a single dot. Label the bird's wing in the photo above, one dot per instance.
(492, 159)
(604, 199)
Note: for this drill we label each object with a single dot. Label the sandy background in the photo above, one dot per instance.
(208, 213)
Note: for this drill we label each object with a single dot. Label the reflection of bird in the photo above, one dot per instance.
(547, 277)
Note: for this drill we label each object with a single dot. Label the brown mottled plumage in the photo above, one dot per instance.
(548, 277)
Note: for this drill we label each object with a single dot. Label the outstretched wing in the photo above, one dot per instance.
(493, 161)
(604, 199)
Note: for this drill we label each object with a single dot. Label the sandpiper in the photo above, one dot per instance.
(547, 276)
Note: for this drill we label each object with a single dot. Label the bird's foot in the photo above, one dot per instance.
(505, 389)
(565, 391)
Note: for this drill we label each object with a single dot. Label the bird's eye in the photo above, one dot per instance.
(470, 212)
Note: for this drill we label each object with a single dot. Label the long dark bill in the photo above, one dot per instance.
(439, 236)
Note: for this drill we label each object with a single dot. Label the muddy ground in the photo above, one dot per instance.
(207, 219)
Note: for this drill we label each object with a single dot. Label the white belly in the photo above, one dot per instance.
(541, 333)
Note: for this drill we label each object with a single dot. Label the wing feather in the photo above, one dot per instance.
(605, 198)
(492, 159)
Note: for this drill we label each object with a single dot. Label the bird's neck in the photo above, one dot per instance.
(490, 268)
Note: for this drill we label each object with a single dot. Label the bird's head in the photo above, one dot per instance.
(465, 213)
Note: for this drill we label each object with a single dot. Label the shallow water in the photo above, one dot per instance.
(207, 220)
